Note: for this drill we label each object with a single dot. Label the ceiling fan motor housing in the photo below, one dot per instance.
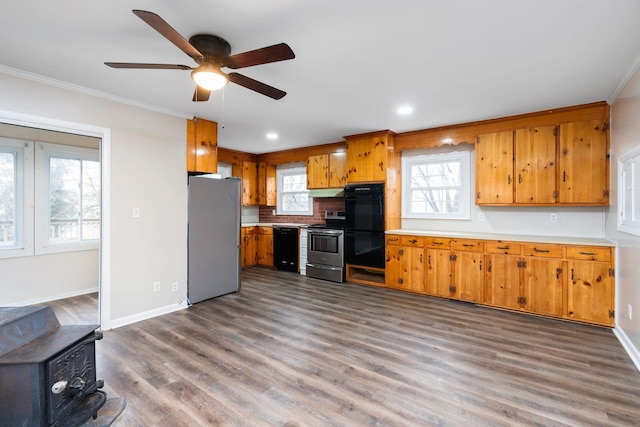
(211, 47)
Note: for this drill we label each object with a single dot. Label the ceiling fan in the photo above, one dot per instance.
(212, 53)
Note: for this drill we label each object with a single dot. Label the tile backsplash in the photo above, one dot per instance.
(320, 205)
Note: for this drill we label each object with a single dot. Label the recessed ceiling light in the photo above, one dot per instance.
(405, 110)
(272, 136)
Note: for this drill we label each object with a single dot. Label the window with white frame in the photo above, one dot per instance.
(11, 194)
(293, 196)
(629, 192)
(436, 185)
(70, 186)
(49, 198)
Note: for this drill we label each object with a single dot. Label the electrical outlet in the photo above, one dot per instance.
(481, 216)
(553, 217)
(630, 311)
(135, 212)
(174, 287)
(156, 286)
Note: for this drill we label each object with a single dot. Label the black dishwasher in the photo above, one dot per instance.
(285, 248)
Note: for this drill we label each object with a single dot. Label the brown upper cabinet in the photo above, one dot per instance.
(565, 164)
(266, 184)
(584, 163)
(327, 171)
(202, 146)
(367, 156)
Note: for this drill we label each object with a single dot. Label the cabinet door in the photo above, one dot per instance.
(270, 184)
(494, 168)
(202, 146)
(543, 281)
(249, 183)
(438, 272)
(503, 281)
(535, 165)
(337, 170)
(412, 269)
(393, 266)
(366, 159)
(468, 276)
(590, 292)
(261, 193)
(584, 163)
(318, 171)
(265, 250)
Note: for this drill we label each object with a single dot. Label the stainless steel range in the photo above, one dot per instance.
(325, 248)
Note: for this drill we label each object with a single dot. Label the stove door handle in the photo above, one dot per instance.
(59, 387)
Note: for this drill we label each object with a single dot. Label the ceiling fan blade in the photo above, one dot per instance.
(265, 55)
(201, 94)
(161, 26)
(147, 66)
(257, 86)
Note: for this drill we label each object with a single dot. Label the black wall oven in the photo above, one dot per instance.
(364, 233)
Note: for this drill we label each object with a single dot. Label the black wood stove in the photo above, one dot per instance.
(47, 370)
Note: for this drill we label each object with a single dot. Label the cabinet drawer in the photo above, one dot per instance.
(499, 247)
(437, 243)
(415, 241)
(393, 239)
(467, 245)
(591, 253)
(543, 250)
(265, 230)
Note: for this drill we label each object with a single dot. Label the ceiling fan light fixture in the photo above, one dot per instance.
(209, 77)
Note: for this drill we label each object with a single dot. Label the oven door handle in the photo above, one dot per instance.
(325, 232)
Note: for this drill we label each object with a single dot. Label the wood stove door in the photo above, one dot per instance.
(69, 377)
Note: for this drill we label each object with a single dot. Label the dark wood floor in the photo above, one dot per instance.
(80, 310)
(294, 351)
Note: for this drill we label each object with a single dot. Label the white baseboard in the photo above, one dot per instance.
(127, 320)
(49, 298)
(631, 349)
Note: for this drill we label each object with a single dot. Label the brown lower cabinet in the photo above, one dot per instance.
(257, 246)
(563, 281)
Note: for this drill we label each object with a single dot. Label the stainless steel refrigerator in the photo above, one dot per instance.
(214, 237)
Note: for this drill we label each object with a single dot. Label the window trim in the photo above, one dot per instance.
(43, 152)
(629, 162)
(291, 170)
(464, 156)
(24, 200)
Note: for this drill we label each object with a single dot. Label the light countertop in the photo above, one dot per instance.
(564, 240)
(274, 224)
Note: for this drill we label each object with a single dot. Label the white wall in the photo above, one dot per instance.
(147, 169)
(571, 222)
(37, 279)
(625, 136)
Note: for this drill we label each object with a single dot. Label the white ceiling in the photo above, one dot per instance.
(356, 61)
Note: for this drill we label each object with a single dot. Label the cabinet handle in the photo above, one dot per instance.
(393, 239)
(489, 268)
(588, 253)
(480, 265)
(504, 248)
(429, 260)
(558, 273)
(438, 243)
(519, 179)
(509, 179)
(468, 245)
(540, 250)
(564, 176)
(420, 258)
(412, 241)
(572, 274)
